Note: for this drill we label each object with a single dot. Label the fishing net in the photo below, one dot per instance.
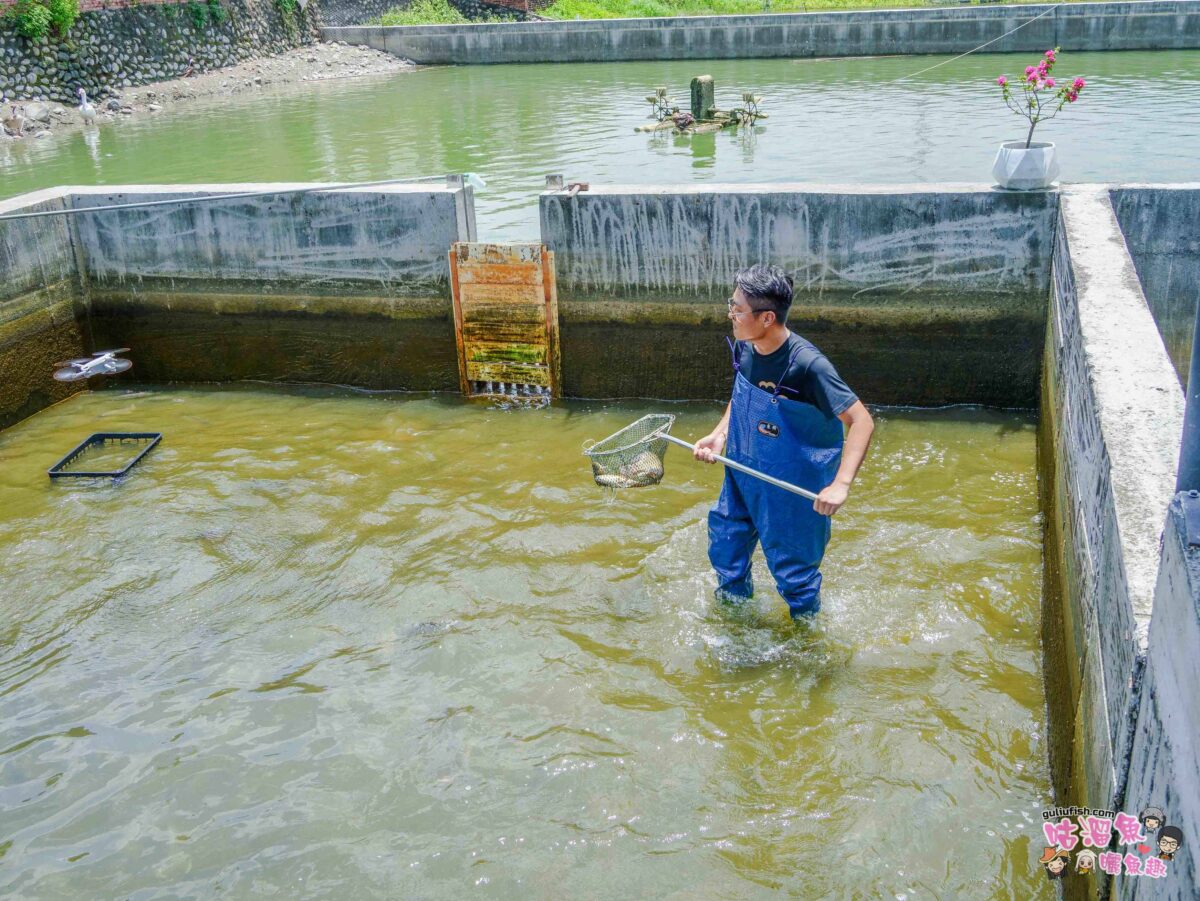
(632, 457)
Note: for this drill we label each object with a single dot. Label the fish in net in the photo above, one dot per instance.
(632, 457)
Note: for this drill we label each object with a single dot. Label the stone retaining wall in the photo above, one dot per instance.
(1143, 25)
(110, 50)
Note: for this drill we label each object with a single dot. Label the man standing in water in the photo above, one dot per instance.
(785, 419)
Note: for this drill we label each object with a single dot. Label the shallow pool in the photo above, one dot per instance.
(400, 645)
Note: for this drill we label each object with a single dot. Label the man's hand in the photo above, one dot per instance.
(831, 498)
(709, 445)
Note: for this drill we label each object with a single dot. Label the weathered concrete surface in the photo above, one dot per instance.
(378, 343)
(347, 287)
(393, 239)
(42, 319)
(1161, 224)
(945, 285)
(1152, 24)
(1164, 769)
(1112, 415)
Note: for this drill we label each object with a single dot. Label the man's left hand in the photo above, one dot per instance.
(831, 498)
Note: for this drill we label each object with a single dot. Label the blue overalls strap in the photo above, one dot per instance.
(779, 387)
(737, 366)
(733, 349)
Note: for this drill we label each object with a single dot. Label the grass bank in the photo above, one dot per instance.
(440, 12)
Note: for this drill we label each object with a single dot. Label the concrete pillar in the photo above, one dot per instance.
(703, 96)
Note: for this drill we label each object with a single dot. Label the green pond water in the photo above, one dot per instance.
(832, 121)
(333, 645)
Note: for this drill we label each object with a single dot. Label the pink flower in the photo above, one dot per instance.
(1002, 80)
(1078, 84)
(1032, 78)
(1028, 70)
(1049, 82)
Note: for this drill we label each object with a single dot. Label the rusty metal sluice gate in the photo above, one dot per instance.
(505, 319)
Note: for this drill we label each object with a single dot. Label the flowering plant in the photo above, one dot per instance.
(1037, 100)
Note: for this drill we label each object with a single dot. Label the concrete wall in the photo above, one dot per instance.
(1111, 419)
(1164, 769)
(345, 287)
(946, 286)
(1161, 224)
(42, 319)
(1153, 24)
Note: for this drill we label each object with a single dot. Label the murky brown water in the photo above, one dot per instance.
(332, 645)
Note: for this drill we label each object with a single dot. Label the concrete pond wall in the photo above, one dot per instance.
(1148, 24)
(42, 314)
(1161, 224)
(919, 295)
(348, 287)
(1121, 702)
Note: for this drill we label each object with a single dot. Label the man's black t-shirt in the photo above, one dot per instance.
(810, 377)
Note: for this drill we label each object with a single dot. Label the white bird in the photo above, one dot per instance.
(85, 109)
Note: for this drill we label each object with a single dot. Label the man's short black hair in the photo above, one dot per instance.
(1171, 832)
(766, 288)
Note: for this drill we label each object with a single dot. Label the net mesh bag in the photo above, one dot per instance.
(632, 457)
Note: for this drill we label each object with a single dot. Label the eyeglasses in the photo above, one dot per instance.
(739, 313)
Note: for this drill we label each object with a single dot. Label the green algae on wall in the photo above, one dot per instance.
(42, 311)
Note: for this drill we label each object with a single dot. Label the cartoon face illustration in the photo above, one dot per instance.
(1152, 818)
(1085, 861)
(1169, 840)
(1055, 860)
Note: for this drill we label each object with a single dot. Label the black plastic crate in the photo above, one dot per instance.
(144, 442)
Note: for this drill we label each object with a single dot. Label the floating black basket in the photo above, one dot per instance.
(143, 443)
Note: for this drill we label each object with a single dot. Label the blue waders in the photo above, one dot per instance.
(791, 440)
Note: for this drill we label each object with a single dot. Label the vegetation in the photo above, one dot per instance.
(63, 14)
(198, 14)
(34, 19)
(216, 12)
(424, 12)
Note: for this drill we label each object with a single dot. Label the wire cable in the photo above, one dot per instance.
(977, 49)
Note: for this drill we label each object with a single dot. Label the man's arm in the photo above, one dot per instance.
(858, 439)
(714, 442)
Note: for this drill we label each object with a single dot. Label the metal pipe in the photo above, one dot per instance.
(778, 483)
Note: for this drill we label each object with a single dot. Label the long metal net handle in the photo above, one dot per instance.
(778, 483)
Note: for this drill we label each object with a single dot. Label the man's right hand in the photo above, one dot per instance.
(709, 445)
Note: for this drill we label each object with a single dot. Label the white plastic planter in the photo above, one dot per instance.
(1025, 169)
